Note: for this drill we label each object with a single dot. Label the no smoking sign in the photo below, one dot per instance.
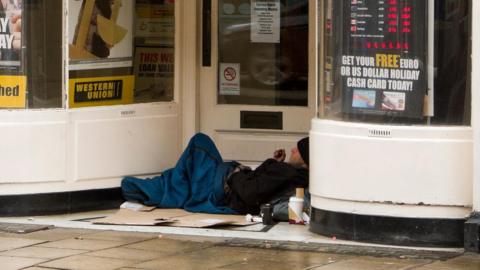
(229, 79)
(230, 74)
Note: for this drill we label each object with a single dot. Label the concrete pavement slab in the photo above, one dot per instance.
(42, 252)
(14, 263)
(81, 262)
(128, 254)
(82, 244)
(7, 243)
(168, 245)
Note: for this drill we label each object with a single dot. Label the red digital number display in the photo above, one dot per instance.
(389, 26)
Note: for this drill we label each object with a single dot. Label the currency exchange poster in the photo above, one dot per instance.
(383, 55)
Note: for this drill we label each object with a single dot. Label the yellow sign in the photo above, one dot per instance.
(101, 91)
(387, 60)
(13, 91)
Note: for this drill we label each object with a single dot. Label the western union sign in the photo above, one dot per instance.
(101, 91)
(13, 91)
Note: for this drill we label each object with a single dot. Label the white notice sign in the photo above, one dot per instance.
(265, 25)
(229, 79)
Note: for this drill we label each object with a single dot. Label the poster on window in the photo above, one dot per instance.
(13, 91)
(383, 58)
(154, 73)
(265, 24)
(100, 91)
(10, 34)
(100, 34)
(155, 21)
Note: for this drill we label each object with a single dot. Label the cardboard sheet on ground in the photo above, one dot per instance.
(146, 218)
(171, 217)
(199, 220)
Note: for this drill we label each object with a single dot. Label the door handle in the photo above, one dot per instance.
(207, 33)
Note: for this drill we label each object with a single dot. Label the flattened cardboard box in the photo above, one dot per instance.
(145, 218)
(200, 220)
(171, 217)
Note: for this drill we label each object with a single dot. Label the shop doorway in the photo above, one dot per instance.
(255, 93)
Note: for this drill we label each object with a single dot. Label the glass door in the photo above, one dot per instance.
(256, 95)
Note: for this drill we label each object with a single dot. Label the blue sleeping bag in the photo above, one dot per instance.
(196, 183)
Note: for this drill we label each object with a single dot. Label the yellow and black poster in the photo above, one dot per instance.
(13, 91)
(101, 91)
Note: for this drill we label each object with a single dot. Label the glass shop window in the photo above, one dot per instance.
(154, 62)
(100, 37)
(31, 69)
(121, 51)
(379, 63)
(263, 52)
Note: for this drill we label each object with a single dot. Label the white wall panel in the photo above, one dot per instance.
(117, 146)
(51, 151)
(32, 152)
(254, 147)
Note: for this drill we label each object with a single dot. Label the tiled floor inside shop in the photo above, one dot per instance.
(70, 242)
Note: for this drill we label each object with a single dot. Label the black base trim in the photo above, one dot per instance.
(472, 233)
(388, 230)
(60, 203)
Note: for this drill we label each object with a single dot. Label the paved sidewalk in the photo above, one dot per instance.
(74, 243)
(85, 249)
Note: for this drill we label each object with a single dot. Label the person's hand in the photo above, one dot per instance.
(279, 155)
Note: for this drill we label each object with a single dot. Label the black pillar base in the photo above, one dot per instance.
(60, 203)
(472, 233)
(420, 232)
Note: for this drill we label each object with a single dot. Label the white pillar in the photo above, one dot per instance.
(187, 32)
(476, 102)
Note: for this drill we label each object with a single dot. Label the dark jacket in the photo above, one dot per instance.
(249, 189)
